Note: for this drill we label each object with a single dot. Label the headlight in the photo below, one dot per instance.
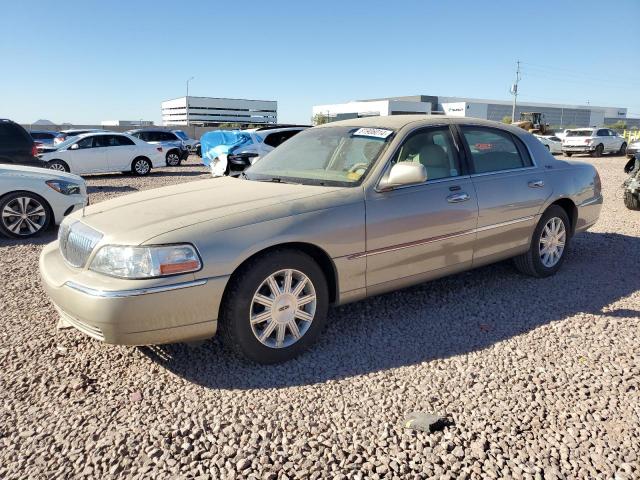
(145, 262)
(65, 188)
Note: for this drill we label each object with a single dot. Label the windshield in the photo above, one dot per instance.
(334, 156)
(66, 143)
(181, 134)
(579, 133)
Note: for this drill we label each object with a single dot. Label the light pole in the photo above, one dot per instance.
(187, 99)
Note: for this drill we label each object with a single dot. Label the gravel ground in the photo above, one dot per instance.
(539, 378)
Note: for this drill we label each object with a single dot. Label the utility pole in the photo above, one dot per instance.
(187, 100)
(514, 91)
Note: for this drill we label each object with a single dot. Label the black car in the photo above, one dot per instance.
(176, 149)
(16, 145)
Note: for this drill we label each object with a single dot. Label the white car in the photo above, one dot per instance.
(553, 143)
(33, 198)
(595, 141)
(102, 152)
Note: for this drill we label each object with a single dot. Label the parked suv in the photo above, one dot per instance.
(191, 143)
(16, 145)
(176, 149)
(595, 141)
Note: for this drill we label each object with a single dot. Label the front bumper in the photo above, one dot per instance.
(131, 312)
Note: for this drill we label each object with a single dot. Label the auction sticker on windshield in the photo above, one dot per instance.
(372, 132)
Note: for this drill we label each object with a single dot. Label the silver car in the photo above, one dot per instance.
(338, 213)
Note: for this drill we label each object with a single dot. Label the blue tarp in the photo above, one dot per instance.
(219, 142)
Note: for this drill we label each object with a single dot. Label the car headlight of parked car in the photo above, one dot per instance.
(63, 187)
(146, 262)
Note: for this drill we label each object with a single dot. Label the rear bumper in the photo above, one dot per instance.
(588, 213)
(140, 314)
(578, 148)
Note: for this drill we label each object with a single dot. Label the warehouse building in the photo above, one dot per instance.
(558, 115)
(210, 112)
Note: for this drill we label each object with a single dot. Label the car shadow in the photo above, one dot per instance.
(452, 316)
(110, 189)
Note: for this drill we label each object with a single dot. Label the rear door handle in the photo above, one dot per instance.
(536, 184)
(458, 197)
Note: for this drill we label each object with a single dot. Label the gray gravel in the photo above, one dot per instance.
(539, 377)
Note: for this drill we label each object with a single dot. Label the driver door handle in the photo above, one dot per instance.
(458, 197)
(536, 184)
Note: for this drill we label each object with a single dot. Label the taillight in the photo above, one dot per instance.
(587, 140)
(34, 150)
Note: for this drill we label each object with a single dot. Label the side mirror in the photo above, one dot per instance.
(74, 147)
(403, 173)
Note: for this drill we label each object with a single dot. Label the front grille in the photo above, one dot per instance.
(77, 241)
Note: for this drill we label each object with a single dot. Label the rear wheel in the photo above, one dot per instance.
(598, 151)
(58, 165)
(548, 245)
(173, 158)
(568, 154)
(631, 201)
(141, 166)
(275, 307)
(23, 215)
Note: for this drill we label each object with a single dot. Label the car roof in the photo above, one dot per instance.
(397, 122)
(150, 130)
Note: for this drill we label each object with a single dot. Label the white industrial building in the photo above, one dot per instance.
(208, 111)
(555, 114)
(126, 123)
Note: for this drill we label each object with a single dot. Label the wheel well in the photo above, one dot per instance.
(175, 150)
(321, 257)
(571, 209)
(140, 157)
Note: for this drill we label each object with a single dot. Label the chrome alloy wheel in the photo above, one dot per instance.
(552, 241)
(173, 159)
(141, 167)
(24, 216)
(282, 308)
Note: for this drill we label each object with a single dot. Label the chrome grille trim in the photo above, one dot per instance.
(76, 242)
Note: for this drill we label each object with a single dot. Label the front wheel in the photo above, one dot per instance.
(141, 167)
(275, 307)
(23, 215)
(548, 245)
(59, 165)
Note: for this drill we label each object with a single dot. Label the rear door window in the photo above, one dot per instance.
(494, 150)
(122, 140)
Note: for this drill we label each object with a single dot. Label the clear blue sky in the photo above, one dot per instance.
(83, 62)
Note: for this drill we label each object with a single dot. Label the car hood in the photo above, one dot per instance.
(22, 171)
(228, 202)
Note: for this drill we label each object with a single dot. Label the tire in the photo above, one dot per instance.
(623, 149)
(173, 158)
(631, 201)
(37, 211)
(251, 283)
(598, 151)
(141, 166)
(568, 154)
(548, 148)
(59, 166)
(531, 262)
